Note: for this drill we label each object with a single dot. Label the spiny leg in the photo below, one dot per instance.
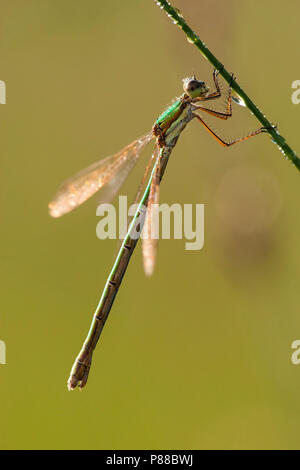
(222, 141)
(216, 114)
(219, 114)
(215, 94)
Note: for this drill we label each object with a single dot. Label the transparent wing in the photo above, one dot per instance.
(140, 189)
(150, 229)
(148, 168)
(110, 172)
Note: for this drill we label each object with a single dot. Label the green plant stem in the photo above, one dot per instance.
(177, 18)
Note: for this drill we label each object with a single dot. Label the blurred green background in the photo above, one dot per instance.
(199, 356)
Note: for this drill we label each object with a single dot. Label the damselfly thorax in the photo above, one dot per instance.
(173, 121)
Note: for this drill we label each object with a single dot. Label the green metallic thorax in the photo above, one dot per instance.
(171, 114)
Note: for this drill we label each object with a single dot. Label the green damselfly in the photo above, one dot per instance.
(112, 171)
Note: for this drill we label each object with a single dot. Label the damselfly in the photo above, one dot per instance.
(111, 173)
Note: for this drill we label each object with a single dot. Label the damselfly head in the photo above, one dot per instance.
(194, 87)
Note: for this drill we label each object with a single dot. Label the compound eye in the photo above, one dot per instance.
(193, 85)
